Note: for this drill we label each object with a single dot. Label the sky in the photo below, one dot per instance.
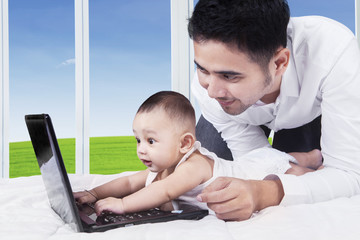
(129, 59)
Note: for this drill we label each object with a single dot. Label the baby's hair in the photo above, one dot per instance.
(176, 105)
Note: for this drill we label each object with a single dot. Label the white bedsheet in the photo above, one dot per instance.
(26, 214)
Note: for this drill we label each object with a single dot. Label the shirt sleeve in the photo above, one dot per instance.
(340, 140)
(319, 186)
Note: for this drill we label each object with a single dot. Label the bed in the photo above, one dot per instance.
(26, 214)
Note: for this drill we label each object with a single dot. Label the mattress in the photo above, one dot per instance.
(25, 213)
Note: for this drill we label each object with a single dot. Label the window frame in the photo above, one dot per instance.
(82, 115)
(182, 67)
(4, 89)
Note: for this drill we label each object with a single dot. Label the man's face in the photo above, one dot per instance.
(230, 77)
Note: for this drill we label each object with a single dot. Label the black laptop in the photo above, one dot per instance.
(82, 218)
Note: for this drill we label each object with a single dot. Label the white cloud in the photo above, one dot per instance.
(67, 62)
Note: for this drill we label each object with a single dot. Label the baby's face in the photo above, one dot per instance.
(158, 141)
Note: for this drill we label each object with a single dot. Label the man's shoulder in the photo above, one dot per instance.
(317, 27)
(319, 40)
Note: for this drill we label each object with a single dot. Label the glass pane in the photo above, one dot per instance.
(130, 53)
(42, 77)
(341, 11)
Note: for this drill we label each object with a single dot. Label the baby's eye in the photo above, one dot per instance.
(137, 140)
(151, 141)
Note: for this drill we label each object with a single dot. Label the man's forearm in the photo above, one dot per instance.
(268, 192)
(322, 185)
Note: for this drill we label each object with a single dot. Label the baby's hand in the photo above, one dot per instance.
(110, 204)
(85, 196)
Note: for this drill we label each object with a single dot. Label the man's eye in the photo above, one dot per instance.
(229, 77)
(202, 70)
(151, 141)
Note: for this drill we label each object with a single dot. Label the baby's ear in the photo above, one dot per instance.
(187, 142)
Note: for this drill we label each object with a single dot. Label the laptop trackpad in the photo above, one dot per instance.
(87, 214)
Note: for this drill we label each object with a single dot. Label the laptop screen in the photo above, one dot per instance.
(52, 168)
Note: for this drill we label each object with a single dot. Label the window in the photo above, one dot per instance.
(130, 59)
(41, 69)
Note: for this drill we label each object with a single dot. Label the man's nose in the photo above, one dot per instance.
(215, 87)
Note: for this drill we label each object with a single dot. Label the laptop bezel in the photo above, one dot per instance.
(47, 123)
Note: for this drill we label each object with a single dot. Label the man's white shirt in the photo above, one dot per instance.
(323, 78)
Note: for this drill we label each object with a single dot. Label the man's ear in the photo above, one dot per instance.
(187, 142)
(282, 59)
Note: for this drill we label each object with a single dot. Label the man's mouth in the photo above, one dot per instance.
(224, 102)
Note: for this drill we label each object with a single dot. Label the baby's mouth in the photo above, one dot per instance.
(146, 162)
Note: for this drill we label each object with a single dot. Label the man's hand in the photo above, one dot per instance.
(109, 204)
(236, 199)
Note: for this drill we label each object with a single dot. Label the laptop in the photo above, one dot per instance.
(82, 218)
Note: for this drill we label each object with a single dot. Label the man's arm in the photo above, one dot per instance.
(338, 93)
(237, 199)
(321, 185)
(340, 138)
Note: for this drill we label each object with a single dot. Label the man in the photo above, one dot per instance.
(258, 70)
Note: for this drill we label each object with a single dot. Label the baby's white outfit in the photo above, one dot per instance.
(256, 165)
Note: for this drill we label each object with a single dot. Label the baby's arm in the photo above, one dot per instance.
(188, 175)
(119, 187)
(307, 162)
(312, 159)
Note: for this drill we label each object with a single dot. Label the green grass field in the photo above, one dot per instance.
(108, 155)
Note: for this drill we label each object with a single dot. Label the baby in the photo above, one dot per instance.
(178, 168)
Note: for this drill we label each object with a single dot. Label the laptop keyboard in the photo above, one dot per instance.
(108, 217)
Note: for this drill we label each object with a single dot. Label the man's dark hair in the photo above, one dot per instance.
(257, 27)
(176, 105)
